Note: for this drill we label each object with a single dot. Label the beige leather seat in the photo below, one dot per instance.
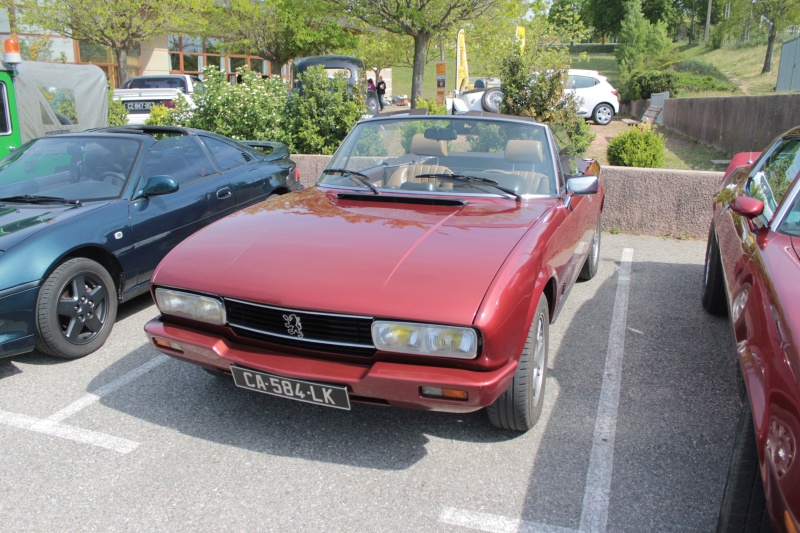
(524, 157)
(424, 147)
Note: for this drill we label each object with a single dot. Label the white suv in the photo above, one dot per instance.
(597, 98)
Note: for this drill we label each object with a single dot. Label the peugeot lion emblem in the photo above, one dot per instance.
(293, 325)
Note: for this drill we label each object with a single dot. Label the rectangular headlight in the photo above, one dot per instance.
(193, 306)
(425, 339)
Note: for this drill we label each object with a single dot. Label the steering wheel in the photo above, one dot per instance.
(115, 178)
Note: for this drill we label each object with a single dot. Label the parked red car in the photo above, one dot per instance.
(752, 270)
(422, 271)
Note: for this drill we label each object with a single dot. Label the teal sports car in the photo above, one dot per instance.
(86, 217)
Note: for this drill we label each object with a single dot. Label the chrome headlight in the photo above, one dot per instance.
(425, 339)
(193, 306)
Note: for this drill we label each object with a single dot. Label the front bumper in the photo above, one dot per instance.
(380, 382)
(18, 319)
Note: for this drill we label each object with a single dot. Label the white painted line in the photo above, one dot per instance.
(65, 431)
(495, 523)
(52, 424)
(108, 388)
(594, 516)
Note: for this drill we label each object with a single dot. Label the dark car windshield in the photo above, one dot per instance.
(445, 155)
(80, 168)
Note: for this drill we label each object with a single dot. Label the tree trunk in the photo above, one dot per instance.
(12, 19)
(122, 64)
(770, 44)
(418, 76)
(708, 22)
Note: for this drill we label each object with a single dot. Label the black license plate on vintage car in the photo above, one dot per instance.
(138, 106)
(303, 391)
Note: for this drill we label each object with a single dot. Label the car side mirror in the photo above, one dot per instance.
(747, 207)
(157, 186)
(583, 185)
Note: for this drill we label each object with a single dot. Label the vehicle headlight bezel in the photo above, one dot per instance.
(199, 307)
(430, 340)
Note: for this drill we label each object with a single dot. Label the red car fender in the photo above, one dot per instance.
(514, 294)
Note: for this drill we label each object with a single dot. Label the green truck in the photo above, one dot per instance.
(37, 98)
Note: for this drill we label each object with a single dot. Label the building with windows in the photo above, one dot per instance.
(169, 54)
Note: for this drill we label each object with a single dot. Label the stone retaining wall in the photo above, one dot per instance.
(638, 200)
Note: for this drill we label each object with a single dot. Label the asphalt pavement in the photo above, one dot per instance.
(638, 423)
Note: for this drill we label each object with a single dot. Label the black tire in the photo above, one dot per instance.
(76, 309)
(744, 506)
(491, 100)
(603, 114)
(593, 259)
(714, 299)
(520, 407)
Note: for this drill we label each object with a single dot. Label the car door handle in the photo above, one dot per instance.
(224, 193)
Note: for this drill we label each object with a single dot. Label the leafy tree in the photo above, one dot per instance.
(422, 20)
(565, 15)
(320, 116)
(279, 30)
(639, 39)
(605, 16)
(534, 81)
(381, 50)
(117, 113)
(781, 14)
(119, 24)
(254, 108)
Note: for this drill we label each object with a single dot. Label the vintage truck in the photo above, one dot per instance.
(37, 98)
(140, 93)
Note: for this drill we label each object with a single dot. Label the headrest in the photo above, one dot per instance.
(518, 151)
(422, 146)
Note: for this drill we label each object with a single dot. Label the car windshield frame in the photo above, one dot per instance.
(442, 155)
(75, 167)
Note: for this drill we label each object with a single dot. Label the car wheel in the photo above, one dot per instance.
(520, 407)
(744, 506)
(602, 114)
(713, 299)
(593, 259)
(491, 100)
(76, 309)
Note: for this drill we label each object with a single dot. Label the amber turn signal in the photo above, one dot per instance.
(449, 394)
(164, 343)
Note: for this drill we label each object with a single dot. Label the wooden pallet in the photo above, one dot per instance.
(650, 116)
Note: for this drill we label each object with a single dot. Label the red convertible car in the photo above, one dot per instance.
(423, 270)
(752, 270)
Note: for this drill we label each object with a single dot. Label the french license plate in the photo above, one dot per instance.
(303, 391)
(138, 106)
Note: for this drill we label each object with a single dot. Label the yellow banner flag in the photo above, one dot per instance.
(521, 38)
(462, 69)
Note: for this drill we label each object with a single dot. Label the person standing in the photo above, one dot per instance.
(381, 90)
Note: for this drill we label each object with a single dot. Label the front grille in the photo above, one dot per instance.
(345, 334)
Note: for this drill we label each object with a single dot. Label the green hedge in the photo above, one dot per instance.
(639, 146)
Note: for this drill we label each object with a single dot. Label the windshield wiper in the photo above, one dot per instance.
(473, 179)
(35, 199)
(358, 177)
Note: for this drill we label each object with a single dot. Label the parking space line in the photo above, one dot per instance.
(594, 516)
(52, 424)
(93, 397)
(495, 523)
(65, 431)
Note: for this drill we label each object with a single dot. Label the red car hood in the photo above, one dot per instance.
(311, 250)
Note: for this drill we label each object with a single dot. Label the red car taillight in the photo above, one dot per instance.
(168, 103)
(296, 174)
(614, 93)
